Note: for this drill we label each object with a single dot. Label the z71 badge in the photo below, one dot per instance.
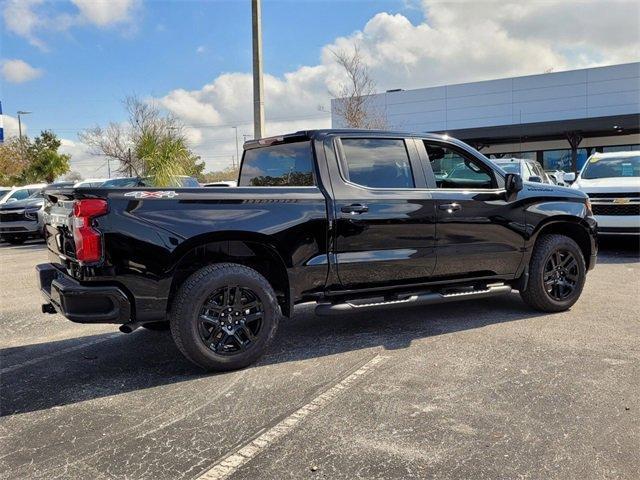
(152, 194)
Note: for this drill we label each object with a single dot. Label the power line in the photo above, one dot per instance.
(222, 125)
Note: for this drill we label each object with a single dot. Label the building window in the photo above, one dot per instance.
(524, 155)
(620, 148)
(561, 159)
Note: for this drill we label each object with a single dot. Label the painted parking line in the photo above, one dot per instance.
(231, 462)
(49, 356)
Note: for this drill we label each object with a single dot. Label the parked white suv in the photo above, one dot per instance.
(21, 193)
(612, 181)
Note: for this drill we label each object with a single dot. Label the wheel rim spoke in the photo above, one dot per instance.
(248, 333)
(209, 320)
(572, 277)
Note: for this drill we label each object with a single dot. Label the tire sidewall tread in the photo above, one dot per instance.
(186, 305)
(535, 294)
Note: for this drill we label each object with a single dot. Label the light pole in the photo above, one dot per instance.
(20, 112)
(237, 150)
(258, 91)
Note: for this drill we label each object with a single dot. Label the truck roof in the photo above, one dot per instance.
(317, 133)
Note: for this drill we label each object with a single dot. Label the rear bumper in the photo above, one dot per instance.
(81, 303)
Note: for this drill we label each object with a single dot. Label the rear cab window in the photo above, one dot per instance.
(282, 165)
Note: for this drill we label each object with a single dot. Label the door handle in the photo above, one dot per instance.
(450, 207)
(354, 208)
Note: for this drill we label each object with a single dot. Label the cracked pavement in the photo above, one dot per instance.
(479, 389)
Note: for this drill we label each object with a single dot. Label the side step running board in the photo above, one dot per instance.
(411, 300)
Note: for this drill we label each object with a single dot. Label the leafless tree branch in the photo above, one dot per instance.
(353, 98)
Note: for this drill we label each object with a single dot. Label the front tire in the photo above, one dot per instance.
(224, 317)
(557, 273)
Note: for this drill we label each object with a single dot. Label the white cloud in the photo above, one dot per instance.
(19, 71)
(201, 49)
(106, 12)
(30, 18)
(85, 163)
(456, 42)
(10, 125)
(21, 19)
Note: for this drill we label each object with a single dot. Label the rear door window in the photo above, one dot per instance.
(377, 162)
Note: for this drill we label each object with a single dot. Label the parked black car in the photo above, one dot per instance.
(353, 220)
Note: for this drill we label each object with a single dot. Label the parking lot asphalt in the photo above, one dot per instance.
(484, 389)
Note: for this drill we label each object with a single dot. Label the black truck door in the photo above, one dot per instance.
(479, 232)
(385, 216)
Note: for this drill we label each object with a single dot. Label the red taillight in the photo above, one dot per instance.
(88, 241)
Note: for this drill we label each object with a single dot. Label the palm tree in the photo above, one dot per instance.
(165, 157)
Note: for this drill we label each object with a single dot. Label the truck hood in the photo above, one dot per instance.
(549, 189)
(20, 204)
(616, 184)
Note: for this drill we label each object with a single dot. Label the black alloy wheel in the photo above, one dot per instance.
(230, 319)
(561, 274)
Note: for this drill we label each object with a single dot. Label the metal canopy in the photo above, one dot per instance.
(533, 132)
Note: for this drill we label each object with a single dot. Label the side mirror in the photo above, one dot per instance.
(535, 178)
(513, 183)
(569, 177)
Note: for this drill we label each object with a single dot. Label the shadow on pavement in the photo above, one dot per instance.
(618, 249)
(147, 359)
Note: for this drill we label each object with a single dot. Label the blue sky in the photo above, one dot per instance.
(87, 70)
(71, 62)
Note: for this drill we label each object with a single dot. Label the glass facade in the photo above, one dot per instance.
(620, 148)
(525, 155)
(561, 159)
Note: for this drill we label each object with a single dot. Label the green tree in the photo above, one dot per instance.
(226, 174)
(151, 143)
(14, 160)
(165, 157)
(45, 162)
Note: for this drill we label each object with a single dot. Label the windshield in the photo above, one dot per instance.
(185, 182)
(509, 167)
(122, 182)
(611, 167)
(37, 194)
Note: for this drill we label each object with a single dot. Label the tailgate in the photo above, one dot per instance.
(58, 222)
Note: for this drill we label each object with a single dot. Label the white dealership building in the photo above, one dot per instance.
(556, 118)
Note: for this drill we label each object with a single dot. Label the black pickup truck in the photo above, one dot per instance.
(353, 220)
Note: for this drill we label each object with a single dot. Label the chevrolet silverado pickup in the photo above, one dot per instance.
(353, 220)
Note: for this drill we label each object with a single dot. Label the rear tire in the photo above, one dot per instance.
(557, 273)
(224, 316)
